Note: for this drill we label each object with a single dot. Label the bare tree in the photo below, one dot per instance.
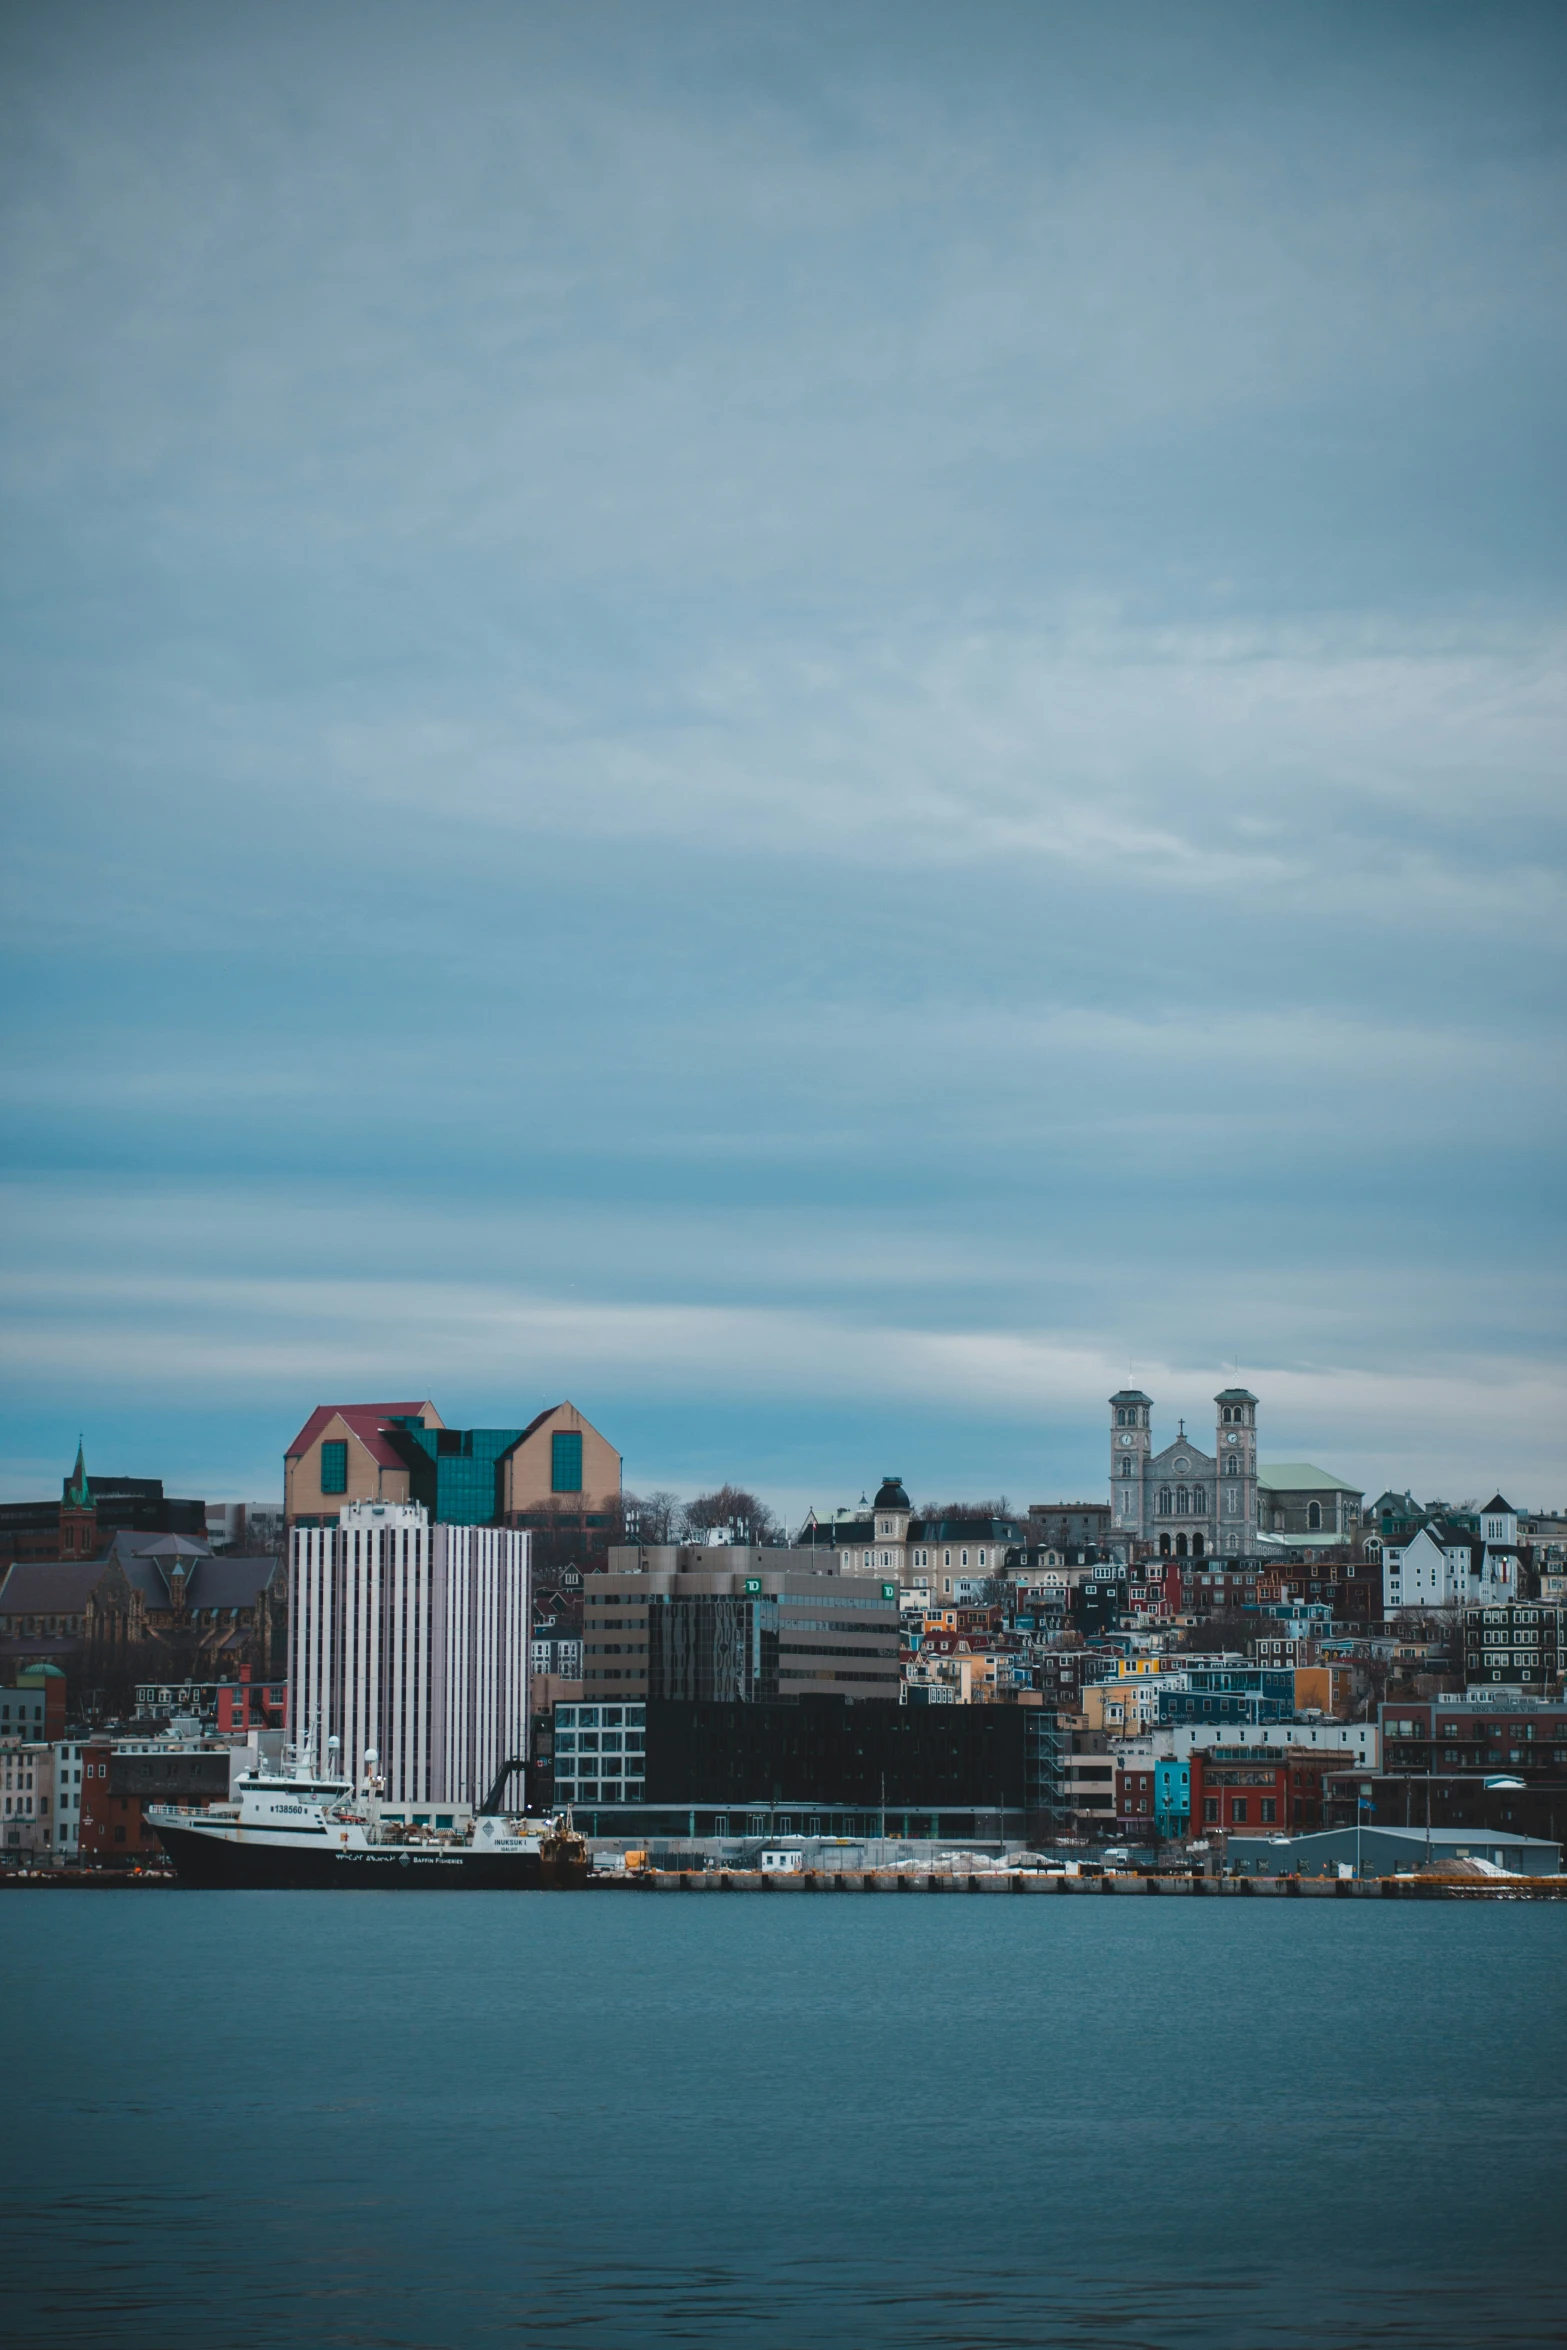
(731, 1511)
(652, 1517)
(1000, 1507)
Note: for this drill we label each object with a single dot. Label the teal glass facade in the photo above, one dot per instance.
(566, 1461)
(456, 1472)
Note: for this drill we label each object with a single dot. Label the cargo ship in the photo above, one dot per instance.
(297, 1827)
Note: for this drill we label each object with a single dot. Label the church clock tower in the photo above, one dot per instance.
(1235, 1442)
(1129, 1442)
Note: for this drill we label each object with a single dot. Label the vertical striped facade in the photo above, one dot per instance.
(411, 1639)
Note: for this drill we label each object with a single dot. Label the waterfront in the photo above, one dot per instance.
(250, 2119)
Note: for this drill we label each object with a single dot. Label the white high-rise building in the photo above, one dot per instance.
(411, 1640)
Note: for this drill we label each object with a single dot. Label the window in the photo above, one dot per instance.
(1164, 1501)
(1199, 1500)
(1210, 1809)
(1270, 1810)
(334, 1466)
(566, 1461)
(1314, 1515)
(1238, 1810)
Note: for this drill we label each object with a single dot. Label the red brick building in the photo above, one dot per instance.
(118, 1783)
(1134, 1798)
(245, 1705)
(1259, 1788)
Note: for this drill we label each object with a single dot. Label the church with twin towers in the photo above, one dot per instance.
(1187, 1502)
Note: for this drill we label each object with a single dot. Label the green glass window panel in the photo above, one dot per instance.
(566, 1461)
(334, 1467)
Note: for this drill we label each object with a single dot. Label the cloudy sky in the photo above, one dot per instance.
(822, 724)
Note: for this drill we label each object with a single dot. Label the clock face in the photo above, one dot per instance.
(1126, 1440)
(1232, 1438)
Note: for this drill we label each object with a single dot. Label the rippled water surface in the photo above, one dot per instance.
(608, 2119)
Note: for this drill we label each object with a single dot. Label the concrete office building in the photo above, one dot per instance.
(411, 1639)
(735, 1625)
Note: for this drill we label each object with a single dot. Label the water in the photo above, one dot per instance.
(618, 2120)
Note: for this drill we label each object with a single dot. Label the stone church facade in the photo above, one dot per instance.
(1185, 1502)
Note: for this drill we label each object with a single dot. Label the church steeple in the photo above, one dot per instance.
(78, 1512)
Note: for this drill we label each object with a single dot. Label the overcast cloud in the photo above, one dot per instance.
(816, 723)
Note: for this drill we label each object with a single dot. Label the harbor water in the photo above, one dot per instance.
(272, 2118)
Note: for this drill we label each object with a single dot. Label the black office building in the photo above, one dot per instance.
(824, 1766)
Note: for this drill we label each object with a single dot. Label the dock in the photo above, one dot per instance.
(1034, 1884)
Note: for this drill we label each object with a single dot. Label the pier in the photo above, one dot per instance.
(1035, 1884)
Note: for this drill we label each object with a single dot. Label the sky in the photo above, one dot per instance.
(828, 726)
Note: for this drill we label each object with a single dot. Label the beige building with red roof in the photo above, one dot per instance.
(556, 1474)
(345, 1453)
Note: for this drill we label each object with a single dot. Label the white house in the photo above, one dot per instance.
(1446, 1566)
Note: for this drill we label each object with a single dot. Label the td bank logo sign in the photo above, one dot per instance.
(753, 1587)
(889, 1591)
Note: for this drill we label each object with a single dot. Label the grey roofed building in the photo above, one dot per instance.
(175, 1577)
(885, 1538)
(39, 1588)
(1306, 1507)
(1387, 1852)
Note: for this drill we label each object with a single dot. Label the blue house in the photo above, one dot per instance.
(1172, 1796)
(1228, 1693)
